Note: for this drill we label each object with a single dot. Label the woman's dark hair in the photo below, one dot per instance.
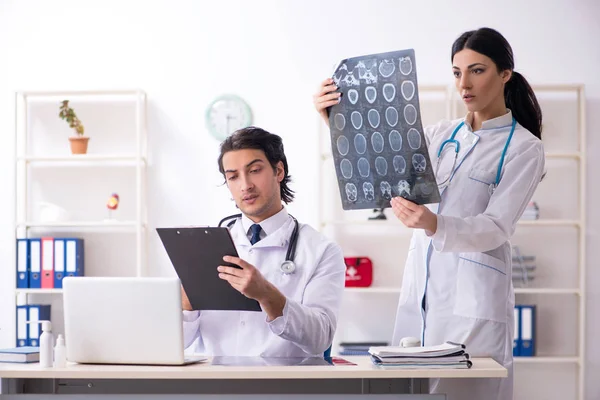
(518, 94)
(271, 144)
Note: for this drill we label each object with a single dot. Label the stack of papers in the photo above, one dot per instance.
(447, 355)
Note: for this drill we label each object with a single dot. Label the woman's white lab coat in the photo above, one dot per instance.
(313, 296)
(457, 284)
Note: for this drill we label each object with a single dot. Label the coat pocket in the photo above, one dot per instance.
(479, 186)
(481, 287)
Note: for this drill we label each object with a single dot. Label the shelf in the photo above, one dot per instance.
(546, 360)
(395, 223)
(546, 291)
(82, 224)
(38, 291)
(575, 155)
(517, 290)
(372, 290)
(81, 160)
(550, 222)
(83, 93)
(378, 222)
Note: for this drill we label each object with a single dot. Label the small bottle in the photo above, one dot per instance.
(60, 352)
(46, 344)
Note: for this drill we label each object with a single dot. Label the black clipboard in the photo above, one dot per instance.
(195, 253)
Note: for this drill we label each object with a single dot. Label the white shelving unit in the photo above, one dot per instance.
(563, 144)
(115, 121)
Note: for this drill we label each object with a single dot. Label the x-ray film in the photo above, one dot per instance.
(377, 139)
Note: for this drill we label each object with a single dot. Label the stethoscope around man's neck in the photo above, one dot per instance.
(456, 143)
(288, 266)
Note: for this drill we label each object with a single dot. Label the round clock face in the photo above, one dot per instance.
(226, 114)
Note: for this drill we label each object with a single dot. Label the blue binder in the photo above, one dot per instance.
(59, 262)
(517, 334)
(74, 257)
(527, 331)
(37, 313)
(22, 331)
(35, 263)
(22, 263)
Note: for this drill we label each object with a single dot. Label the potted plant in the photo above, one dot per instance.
(79, 142)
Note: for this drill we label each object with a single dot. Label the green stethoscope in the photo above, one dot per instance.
(456, 144)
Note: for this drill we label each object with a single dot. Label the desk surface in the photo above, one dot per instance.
(482, 368)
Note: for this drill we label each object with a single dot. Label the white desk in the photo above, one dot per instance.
(363, 378)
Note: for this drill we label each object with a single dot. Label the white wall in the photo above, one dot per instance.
(184, 53)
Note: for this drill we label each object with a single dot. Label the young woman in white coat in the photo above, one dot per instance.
(457, 283)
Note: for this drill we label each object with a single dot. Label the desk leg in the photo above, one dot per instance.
(419, 386)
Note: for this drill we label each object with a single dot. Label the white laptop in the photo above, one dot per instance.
(124, 321)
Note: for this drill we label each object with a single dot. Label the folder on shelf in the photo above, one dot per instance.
(527, 331)
(74, 257)
(37, 313)
(22, 332)
(35, 263)
(47, 263)
(59, 262)
(517, 334)
(22, 263)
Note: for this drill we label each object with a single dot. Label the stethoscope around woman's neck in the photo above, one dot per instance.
(456, 143)
(287, 266)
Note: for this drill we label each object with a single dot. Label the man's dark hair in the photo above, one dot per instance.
(271, 144)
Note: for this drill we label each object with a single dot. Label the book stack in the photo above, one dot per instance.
(532, 212)
(523, 268)
(20, 355)
(447, 355)
(358, 348)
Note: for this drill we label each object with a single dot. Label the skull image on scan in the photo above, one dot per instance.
(367, 71)
(391, 116)
(343, 145)
(360, 143)
(346, 168)
(353, 96)
(389, 92)
(369, 191)
(363, 167)
(403, 188)
(356, 119)
(414, 138)
(399, 164)
(386, 190)
(419, 162)
(373, 117)
(339, 121)
(340, 74)
(377, 142)
(350, 79)
(351, 192)
(370, 94)
(381, 166)
(387, 68)
(395, 140)
(405, 65)
(408, 90)
(410, 114)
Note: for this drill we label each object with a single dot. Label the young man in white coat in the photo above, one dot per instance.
(299, 307)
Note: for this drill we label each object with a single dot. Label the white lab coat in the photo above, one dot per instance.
(465, 268)
(313, 296)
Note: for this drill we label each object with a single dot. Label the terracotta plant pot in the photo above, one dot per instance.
(79, 144)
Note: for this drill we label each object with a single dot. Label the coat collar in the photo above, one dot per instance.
(278, 229)
(499, 122)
